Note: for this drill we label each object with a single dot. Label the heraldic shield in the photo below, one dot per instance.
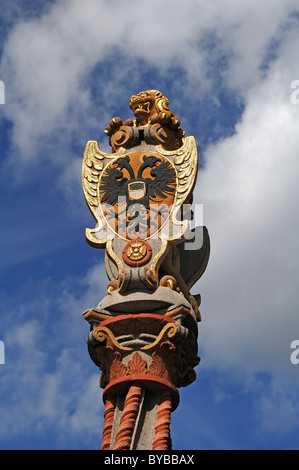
(138, 197)
(137, 193)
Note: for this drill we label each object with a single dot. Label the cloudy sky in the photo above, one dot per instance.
(229, 69)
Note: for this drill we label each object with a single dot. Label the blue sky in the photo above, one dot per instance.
(226, 67)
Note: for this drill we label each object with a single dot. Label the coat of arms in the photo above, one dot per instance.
(139, 193)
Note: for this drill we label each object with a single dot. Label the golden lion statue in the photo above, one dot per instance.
(149, 107)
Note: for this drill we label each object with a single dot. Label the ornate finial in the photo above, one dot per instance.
(150, 108)
(144, 332)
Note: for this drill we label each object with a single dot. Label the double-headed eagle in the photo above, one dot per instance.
(136, 187)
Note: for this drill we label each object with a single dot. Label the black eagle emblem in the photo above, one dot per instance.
(138, 217)
(158, 186)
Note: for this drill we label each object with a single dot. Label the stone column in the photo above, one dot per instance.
(141, 376)
(143, 334)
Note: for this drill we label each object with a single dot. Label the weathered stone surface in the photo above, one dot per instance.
(143, 333)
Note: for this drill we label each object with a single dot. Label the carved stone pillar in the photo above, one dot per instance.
(143, 334)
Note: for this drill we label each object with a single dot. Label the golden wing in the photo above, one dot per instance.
(186, 162)
(94, 161)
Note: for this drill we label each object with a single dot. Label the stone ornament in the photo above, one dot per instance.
(144, 332)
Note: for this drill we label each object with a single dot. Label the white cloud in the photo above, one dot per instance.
(249, 190)
(47, 61)
(49, 383)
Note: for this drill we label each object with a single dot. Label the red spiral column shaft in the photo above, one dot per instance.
(162, 440)
(128, 418)
(108, 422)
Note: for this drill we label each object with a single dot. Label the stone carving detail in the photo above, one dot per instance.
(144, 331)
